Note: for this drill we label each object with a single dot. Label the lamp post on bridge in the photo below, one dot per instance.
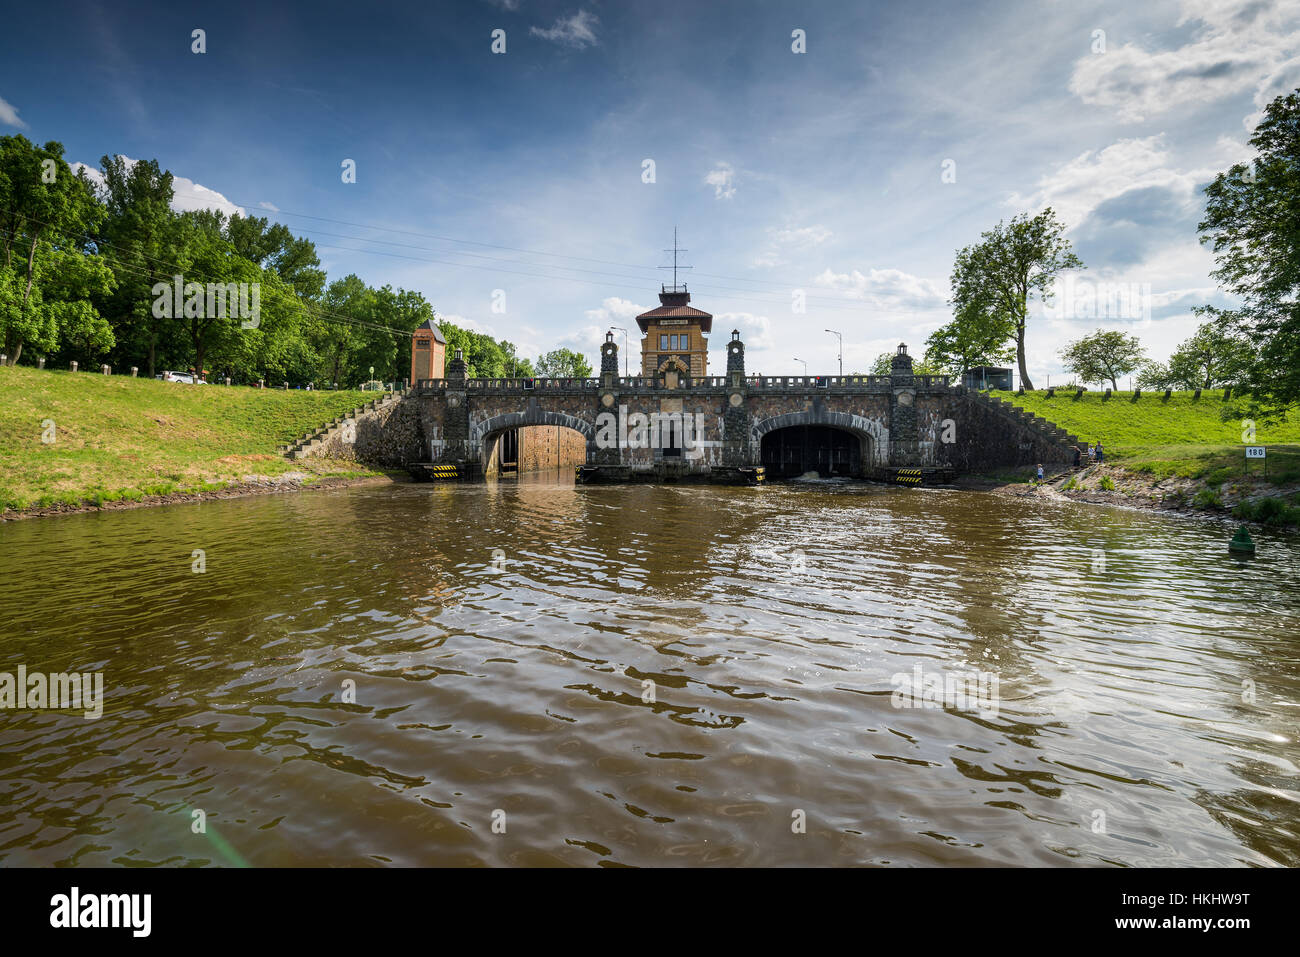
(805, 367)
(840, 336)
(624, 331)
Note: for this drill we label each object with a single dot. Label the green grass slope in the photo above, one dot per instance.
(1179, 436)
(117, 437)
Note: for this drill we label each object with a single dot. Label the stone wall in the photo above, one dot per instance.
(388, 436)
(909, 423)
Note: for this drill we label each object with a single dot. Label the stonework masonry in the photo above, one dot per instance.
(900, 420)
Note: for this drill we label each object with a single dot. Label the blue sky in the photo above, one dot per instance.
(820, 171)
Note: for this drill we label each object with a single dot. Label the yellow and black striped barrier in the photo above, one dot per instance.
(908, 477)
(438, 472)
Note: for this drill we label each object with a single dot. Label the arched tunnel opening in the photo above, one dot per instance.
(533, 448)
(797, 449)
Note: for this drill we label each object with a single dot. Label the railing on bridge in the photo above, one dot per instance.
(787, 383)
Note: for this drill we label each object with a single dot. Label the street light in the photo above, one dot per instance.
(805, 367)
(840, 336)
(624, 331)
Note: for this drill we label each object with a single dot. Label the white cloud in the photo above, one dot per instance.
(271, 206)
(723, 180)
(9, 115)
(886, 288)
(755, 331)
(1241, 44)
(1094, 176)
(616, 312)
(577, 31)
(187, 195)
(789, 239)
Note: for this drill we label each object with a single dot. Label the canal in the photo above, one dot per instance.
(529, 673)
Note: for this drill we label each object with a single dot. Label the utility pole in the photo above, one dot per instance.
(840, 336)
(624, 331)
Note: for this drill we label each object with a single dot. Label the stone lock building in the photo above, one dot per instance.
(674, 421)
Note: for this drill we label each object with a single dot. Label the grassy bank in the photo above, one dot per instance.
(1178, 437)
(115, 437)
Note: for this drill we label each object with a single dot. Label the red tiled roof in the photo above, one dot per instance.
(673, 306)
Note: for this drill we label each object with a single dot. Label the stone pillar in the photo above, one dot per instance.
(607, 403)
(904, 449)
(73, 365)
(457, 399)
(134, 370)
(227, 380)
(104, 369)
(40, 363)
(609, 359)
(4, 359)
(735, 415)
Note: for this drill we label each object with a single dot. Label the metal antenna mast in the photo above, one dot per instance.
(674, 267)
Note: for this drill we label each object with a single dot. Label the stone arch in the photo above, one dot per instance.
(486, 433)
(675, 363)
(875, 434)
(519, 420)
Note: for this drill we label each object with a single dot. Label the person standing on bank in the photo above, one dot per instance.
(1040, 471)
(1078, 456)
(1100, 453)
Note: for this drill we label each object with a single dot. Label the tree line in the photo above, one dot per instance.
(81, 262)
(1252, 225)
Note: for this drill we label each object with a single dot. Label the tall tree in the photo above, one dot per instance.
(1214, 355)
(1252, 223)
(142, 240)
(1102, 356)
(44, 207)
(978, 335)
(1008, 266)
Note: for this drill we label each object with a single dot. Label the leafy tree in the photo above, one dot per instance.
(1156, 375)
(140, 236)
(70, 282)
(977, 336)
(44, 207)
(272, 246)
(1252, 223)
(338, 333)
(564, 364)
(1104, 355)
(1008, 266)
(883, 364)
(1215, 355)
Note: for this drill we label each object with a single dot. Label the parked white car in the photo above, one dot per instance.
(186, 377)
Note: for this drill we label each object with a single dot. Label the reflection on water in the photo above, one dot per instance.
(649, 675)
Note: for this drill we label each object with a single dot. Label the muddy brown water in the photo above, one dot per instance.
(531, 673)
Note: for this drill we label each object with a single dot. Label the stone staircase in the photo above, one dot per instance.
(1049, 430)
(303, 448)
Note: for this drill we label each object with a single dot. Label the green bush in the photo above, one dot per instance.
(1208, 498)
(1107, 484)
(1268, 511)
